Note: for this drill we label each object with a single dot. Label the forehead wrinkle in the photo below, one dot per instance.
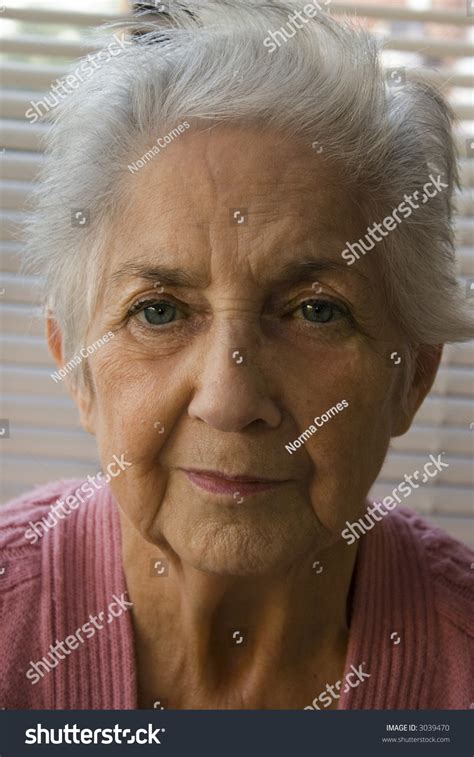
(294, 271)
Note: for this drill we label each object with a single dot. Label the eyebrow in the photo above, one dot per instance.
(159, 273)
(301, 270)
(292, 273)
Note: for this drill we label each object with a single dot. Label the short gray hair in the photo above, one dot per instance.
(211, 66)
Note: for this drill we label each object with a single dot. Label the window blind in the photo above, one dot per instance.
(44, 440)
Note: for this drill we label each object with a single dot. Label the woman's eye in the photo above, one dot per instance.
(321, 311)
(156, 313)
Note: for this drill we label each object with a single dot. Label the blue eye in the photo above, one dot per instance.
(320, 311)
(160, 313)
(157, 313)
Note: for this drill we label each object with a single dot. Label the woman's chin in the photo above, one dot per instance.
(236, 550)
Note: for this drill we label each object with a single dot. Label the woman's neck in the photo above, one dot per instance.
(225, 639)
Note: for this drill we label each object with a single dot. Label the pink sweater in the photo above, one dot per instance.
(410, 579)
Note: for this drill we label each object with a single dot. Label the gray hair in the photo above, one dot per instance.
(212, 66)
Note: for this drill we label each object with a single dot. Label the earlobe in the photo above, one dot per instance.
(426, 364)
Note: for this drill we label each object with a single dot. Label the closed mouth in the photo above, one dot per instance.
(234, 478)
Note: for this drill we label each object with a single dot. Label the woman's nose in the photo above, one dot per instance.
(233, 389)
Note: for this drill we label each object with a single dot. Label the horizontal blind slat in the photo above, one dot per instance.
(429, 499)
(426, 439)
(20, 166)
(10, 256)
(53, 442)
(50, 16)
(32, 380)
(21, 135)
(393, 13)
(28, 410)
(445, 411)
(25, 350)
(456, 381)
(428, 46)
(43, 44)
(459, 473)
(19, 288)
(380, 11)
(34, 471)
(19, 75)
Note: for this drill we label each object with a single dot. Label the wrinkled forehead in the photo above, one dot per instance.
(230, 198)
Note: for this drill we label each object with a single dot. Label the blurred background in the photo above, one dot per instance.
(40, 435)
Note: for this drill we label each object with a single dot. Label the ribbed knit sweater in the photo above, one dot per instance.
(410, 579)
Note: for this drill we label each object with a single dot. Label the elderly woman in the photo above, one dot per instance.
(227, 215)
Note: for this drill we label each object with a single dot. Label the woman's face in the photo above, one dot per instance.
(235, 323)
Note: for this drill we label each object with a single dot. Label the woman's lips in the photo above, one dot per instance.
(234, 486)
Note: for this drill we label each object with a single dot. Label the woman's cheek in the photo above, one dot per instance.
(342, 475)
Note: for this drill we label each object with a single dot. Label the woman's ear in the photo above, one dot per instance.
(54, 339)
(79, 390)
(425, 367)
